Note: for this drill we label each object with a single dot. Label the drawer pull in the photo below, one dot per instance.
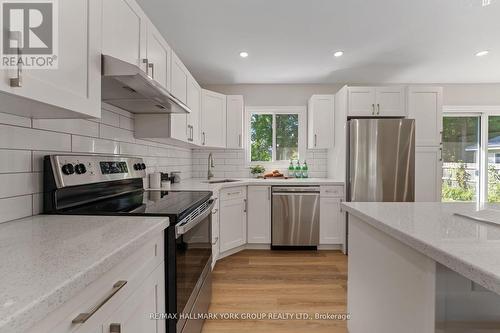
(115, 328)
(83, 317)
(216, 240)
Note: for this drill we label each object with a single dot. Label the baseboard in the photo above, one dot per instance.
(330, 247)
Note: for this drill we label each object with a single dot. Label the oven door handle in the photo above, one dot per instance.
(182, 228)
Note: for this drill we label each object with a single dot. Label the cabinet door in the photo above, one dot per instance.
(361, 101)
(179, 78)
(133, 315)
(425, 105)
(158, 55)
(194, 103)
(390, 102)
(428, 174)
(215, 234)
(331, 221)
(124, 31)
(259, 215)
(76, 83)
(234, 128)
(232, 223)
(320, 123)
(213, 119)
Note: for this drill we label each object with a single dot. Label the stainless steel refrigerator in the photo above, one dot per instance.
(381, 160)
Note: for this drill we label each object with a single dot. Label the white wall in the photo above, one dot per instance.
(24, 142)
(471, 94)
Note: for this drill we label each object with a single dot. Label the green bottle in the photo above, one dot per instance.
(305, 170)
(291, 169)
(298, 170)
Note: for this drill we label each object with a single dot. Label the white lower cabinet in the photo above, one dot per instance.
(133, 314)
(259, 215)
(331, 218)
(118, 301)
(428, 174)
(233, 218)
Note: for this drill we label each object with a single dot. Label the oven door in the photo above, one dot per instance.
(193, 269)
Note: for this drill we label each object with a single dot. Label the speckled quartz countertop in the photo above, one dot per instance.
(201, 184)
(470, 248)
(46, 259)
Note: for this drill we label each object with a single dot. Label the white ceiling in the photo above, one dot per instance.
(292, 41)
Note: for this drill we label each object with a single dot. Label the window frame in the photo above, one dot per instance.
(484, 112)
(301, 111)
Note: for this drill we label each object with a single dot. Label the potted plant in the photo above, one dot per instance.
(257, 171)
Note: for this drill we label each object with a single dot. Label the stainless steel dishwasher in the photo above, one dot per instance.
(295, 217)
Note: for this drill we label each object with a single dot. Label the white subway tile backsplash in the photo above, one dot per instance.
(110, 118)
(114, 133)
(16, 184)
(71, 126)
(126, 123)
(10, 119)
(14, 137)
(15, 208)
(133, 149)
(82, 144)
(15, 161)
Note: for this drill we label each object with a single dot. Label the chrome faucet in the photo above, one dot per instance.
(211, 164)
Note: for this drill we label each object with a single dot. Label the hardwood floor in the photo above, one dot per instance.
(255, 281)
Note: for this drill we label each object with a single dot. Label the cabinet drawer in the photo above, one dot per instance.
(332, 191)
(134, 270)
(233, 193)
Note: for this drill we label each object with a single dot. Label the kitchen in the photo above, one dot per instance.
(176, 167)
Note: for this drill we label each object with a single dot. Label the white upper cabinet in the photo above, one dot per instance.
(259, 215)
(124, 31)
(194, 103)
(320, 122)
(425, 105)
(73, 89)
(158, 57)
(213, 119)
(235, 109)
(390, 101)
(361, 101)
(377, 102)
(179, 79)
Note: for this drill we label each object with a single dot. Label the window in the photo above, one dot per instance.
(471, 155)
(275, 135)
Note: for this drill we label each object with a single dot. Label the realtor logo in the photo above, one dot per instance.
(29, 34)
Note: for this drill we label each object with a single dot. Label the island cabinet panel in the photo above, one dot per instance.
(391, 287)
(259, 215)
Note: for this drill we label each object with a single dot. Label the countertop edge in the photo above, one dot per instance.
(38, 309)
(468, 270)
(197, 182)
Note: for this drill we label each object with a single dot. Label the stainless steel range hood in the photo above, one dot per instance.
(126, 86)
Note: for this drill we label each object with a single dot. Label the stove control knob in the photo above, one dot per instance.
(143, 166)
(68, 169)
(137, 166)
(80, 169)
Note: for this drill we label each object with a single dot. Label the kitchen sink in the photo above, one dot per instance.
(219, 181)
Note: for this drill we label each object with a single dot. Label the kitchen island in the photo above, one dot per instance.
(417, 267)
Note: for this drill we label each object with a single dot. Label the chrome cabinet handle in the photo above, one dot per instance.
(373, 109)
(239, 140)
(115, 328)
(192, 133)
(216, 240)
(315, 140)
(83, 317)
(268, 193)
(214, 211)
(245, 207)
(378, 109)
(441, 154)
(146, 62)
(204, 138)
(152, 66)
(17, 82)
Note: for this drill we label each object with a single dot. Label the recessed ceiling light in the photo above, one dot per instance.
(244, 54)
(482, 53)
(338, 54)
(486, 3)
